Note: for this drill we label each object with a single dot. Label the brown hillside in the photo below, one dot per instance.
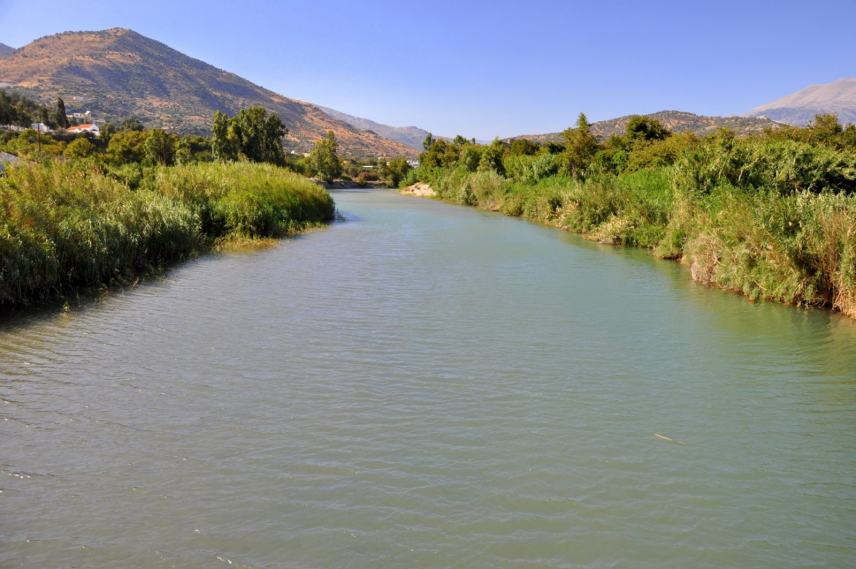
(676, 121)
(119, 73)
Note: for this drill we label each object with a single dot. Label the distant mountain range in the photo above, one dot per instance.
(118, 73)
(410, 135)
(676, 121)
(6, 50)
(799, 108)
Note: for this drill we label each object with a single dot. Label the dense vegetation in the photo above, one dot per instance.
(771, 216)
(71, 225)
(82, 212)
(128, 149)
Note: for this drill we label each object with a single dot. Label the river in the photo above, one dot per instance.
(428, 386)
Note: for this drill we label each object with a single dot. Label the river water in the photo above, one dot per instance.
(428, 386)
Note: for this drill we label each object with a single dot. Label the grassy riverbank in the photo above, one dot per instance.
(67, 227)
(773, 217)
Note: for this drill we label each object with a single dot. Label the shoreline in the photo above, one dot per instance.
(81, 297)
(424, 190)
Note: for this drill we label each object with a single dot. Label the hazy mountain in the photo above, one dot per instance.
(119, 73)
(676, 121)
(6, 50)
(799, 108)
(410, 135)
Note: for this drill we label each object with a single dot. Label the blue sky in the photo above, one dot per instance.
(489, 68)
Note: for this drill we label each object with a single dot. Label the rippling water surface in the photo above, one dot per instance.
(428, 386)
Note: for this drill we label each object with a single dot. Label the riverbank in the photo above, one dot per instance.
(72, 227)
(797, 249)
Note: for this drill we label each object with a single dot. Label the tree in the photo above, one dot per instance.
(645, 128)
(491, 157)
(79, 148)
(222, 146)
(470, 157)
(254, 134)
(428, 142)
(580, 147)
(132, 123)
(259, 134)
(523, 147)
(324, 160)
(60, 118)
(825, 129)
(159, 147)
(127, 146)
(395, 171)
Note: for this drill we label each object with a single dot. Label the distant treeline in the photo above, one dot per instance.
(128, 147)
(772, 216)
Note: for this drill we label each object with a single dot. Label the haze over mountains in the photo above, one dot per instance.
(409, 135)
(6, 50)
(118, 73)
(799, 108)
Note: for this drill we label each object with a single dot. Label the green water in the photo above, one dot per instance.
(428, 386)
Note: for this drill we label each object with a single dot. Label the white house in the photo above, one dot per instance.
(82, 117)
(41, 127)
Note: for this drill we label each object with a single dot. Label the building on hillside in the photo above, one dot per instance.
(88, 128)
(41, 127)
(80, 118)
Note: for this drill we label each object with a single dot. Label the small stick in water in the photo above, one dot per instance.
(665, 438)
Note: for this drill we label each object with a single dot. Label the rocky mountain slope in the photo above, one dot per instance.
(118, 73)
(676, 121)
(838, 97)
(6, 50)
(410, 135)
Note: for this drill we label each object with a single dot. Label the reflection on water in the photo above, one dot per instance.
(428, 386)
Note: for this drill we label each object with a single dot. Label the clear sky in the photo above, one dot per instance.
(486, 68)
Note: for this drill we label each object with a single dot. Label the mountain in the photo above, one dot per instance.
(6, 50)
(410, 135)
(838, 97)
(118, 73)
(676, 121)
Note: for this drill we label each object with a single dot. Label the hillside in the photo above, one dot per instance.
(119, 73)
(6, 50)
(410, 135)
(676, 121)
(838, 97)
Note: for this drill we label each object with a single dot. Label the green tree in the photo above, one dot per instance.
(222, 146)
(79, 148)
(428, 142)
(825, 129)
(132, 123)
(470, 157)
(60, 118)
(254, 134)
(395, 171)
(645, 128)
(523, 147)
(159, 147)
(324, 159)
(491, 157)
(580, 147)
(259, 134)
(127, 146)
